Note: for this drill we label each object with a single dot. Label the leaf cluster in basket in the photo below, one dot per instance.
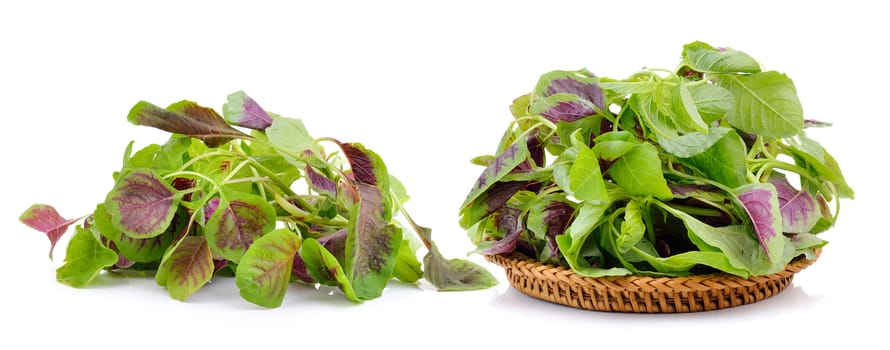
(214, 199)
(663, 173)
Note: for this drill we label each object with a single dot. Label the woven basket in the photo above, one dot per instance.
(642, 294)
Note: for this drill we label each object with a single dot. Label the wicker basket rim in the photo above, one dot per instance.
(690, 283)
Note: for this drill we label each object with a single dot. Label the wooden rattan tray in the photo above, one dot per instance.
(642, 294)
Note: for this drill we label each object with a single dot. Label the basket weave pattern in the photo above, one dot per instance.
(561, 285)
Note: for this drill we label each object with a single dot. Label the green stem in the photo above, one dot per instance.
(184, 173)
(307, 216)
(201, 156)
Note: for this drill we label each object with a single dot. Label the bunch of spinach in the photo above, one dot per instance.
(215, 199)
(664, 173)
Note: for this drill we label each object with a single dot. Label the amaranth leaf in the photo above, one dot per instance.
(265, 269)
(141, 204)
(236, 223)
(46, 219)
(84, 258)
(186, 118)
(243, 111)
(187, 268)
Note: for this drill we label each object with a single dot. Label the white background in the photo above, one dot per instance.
(427, 86)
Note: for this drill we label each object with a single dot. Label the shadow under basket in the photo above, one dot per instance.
(705, 292)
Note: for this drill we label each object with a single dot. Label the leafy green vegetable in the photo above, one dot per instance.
(213, 198)
(84, 259)
(141, 204)
(46, 219)
(766, 104)
(188, 267)
(664, 173)
(265, 269)
(236, 223)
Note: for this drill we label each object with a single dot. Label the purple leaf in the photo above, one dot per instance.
(536, 153)
(558, 218)
(508, 221)
(567, 96)
(567, 111)
(812, 123)
(548, 217)
(586, 90)
(46, 219)
(367, 167)
(243, 111)
(210, 208)
(761, 204)
(800, 212)
(236, 223)
(320, 183)
(186, 118)
(299, 269)
(491, 200)
(219, 264)
(182, 184)
(141, 205)
(371, 243)
(502, 165)
(335, 243)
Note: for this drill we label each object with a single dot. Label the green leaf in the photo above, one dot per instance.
(143, 157)
(684, 109)
(696, 143)
(651, 116)
(577, 238)
(704, 58)
(612, 150)
(719, 155)
(632, 228)
(736, 242)
(291, 135)
(638, 173)
(562, 166)
(263, 275)
(186, 118)
(171, 154)
(407, 268)
(187, 268)
(519, 107)
(588, 249)
(141, 204)
(371, 243)
(455, 274)
(627, 88)
(811, 155)
(711, 101)
(84, 258)
(765, 104)
(680, 264)
(398, 190)
(325, 269)
(236, 223)
(585, 179)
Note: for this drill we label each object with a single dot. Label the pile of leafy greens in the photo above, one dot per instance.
(214, 199)
(665, 173)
